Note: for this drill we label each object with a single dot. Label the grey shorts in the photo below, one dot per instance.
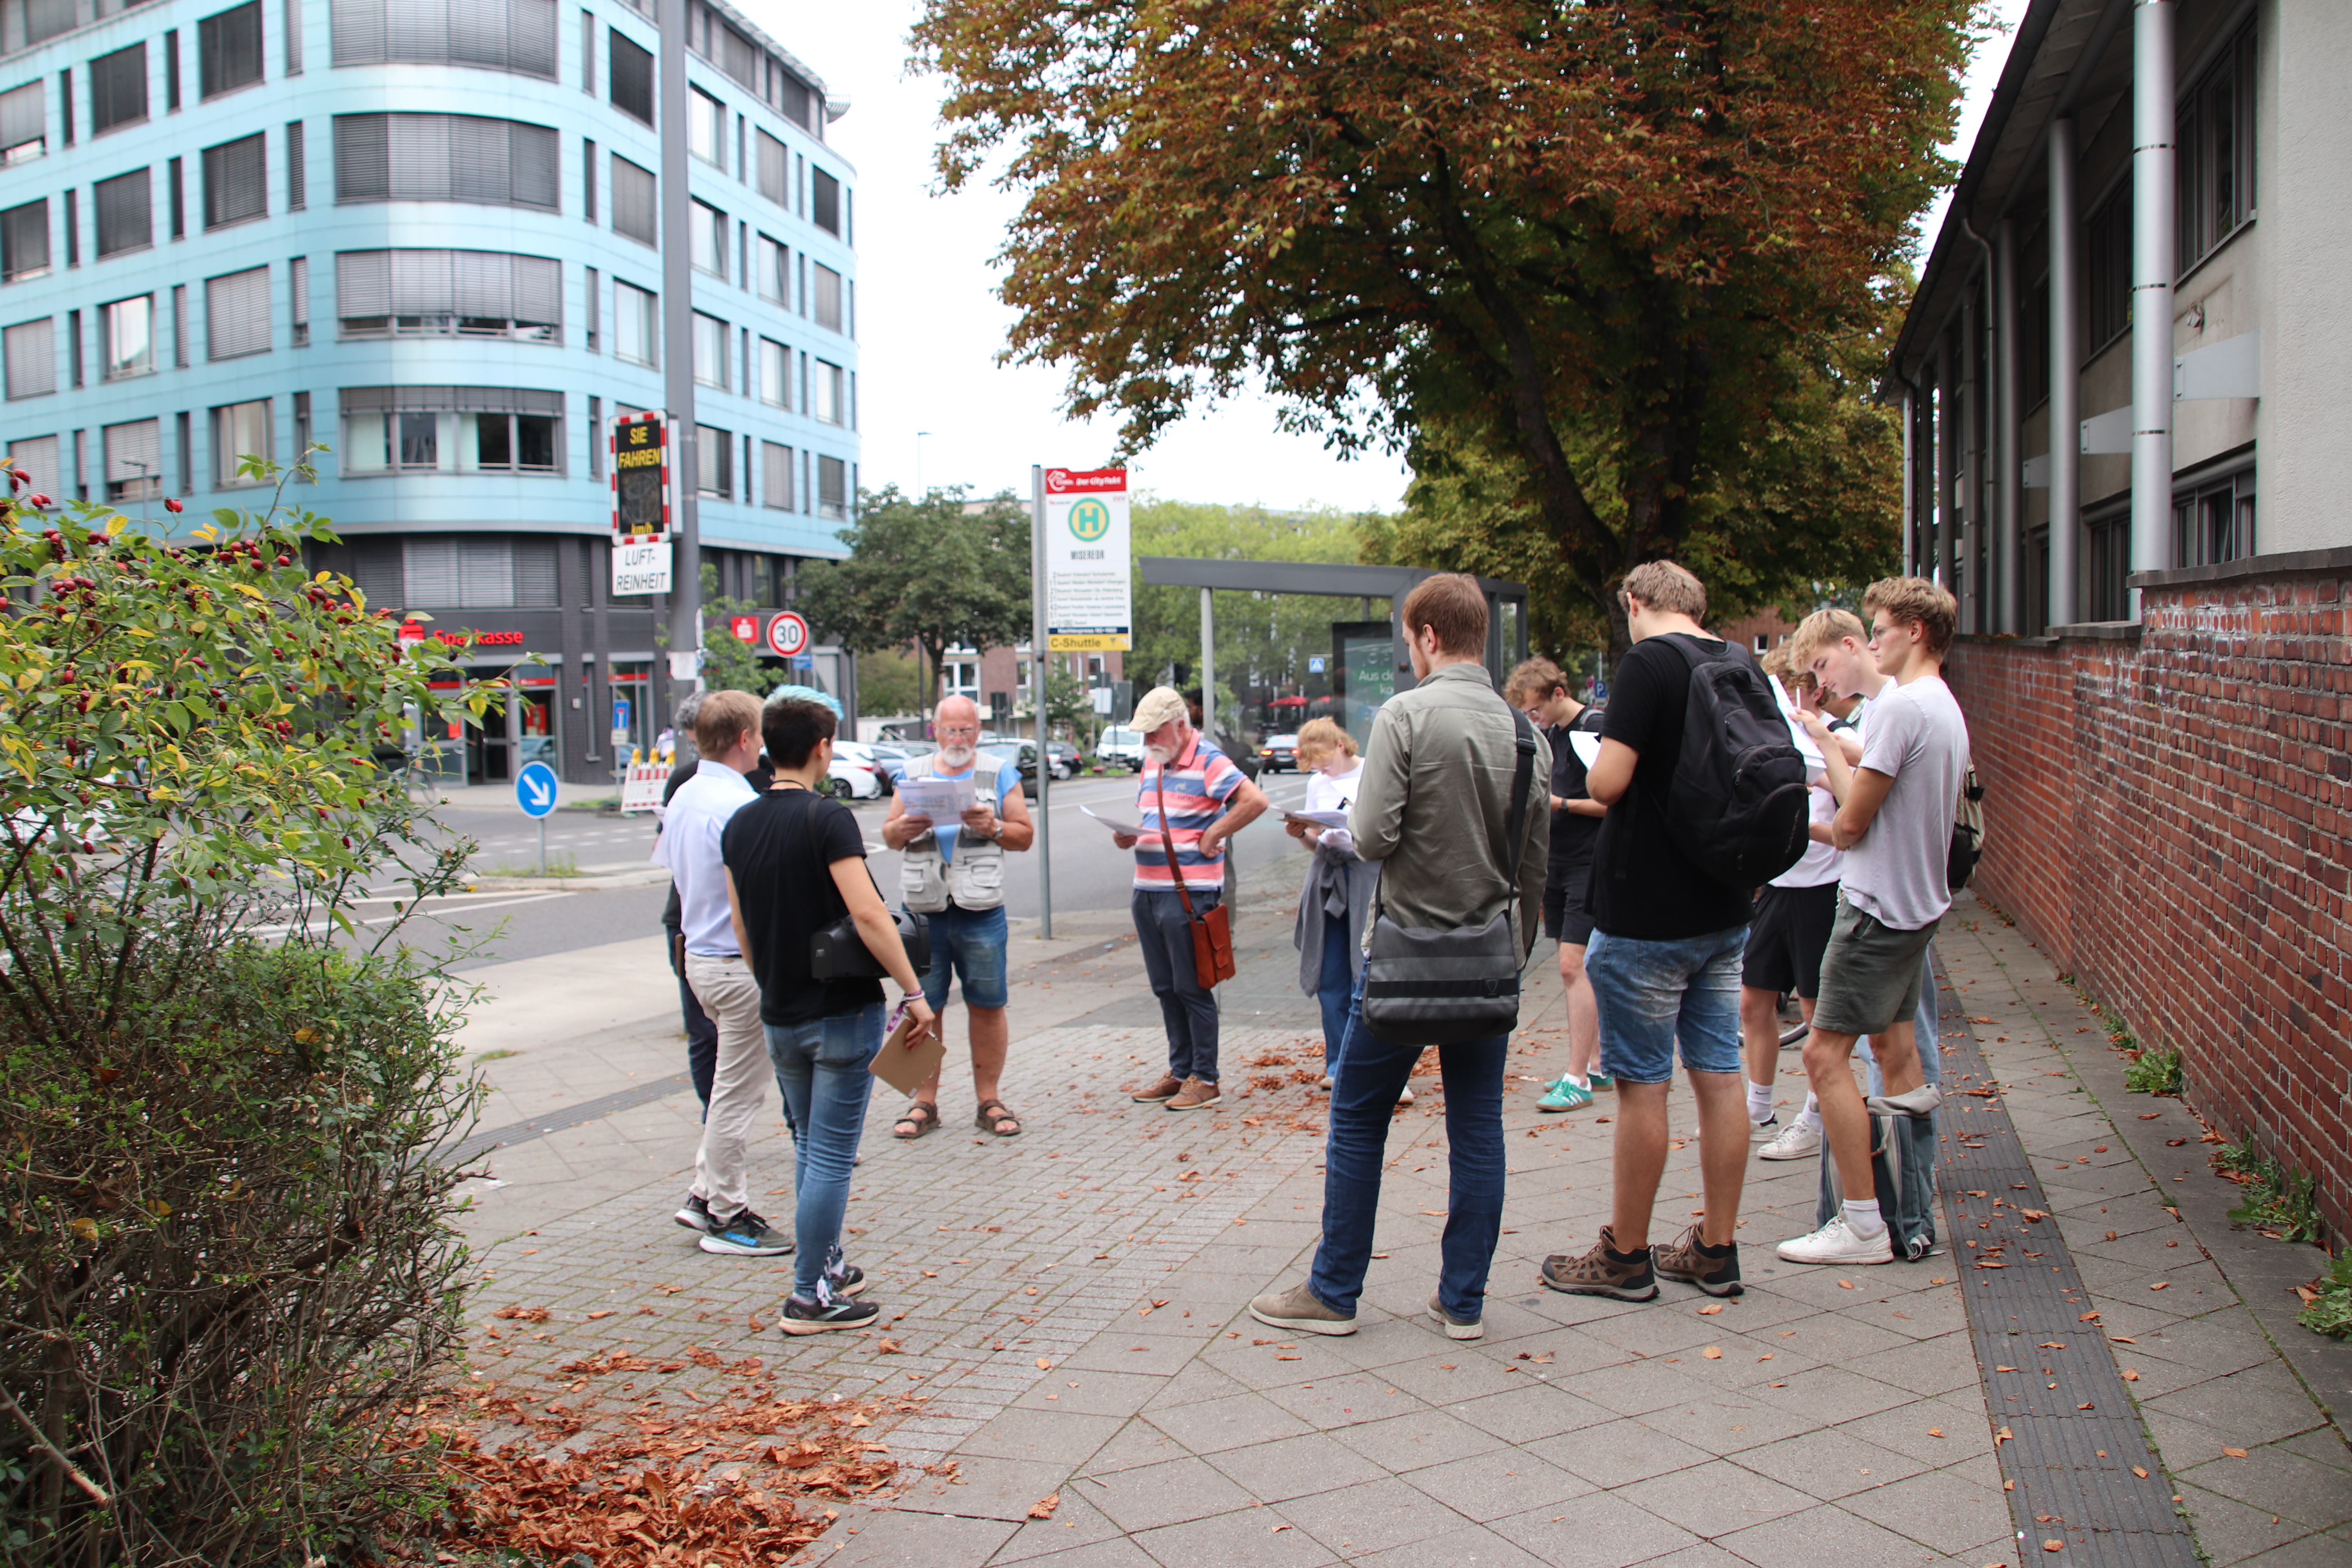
(1870, 975)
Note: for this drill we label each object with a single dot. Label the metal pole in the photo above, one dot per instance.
(678, 345)
(2065, 391)
(1038, 639)
(2154, 202)
(542, 846)
(1209, 724)
(2008, 521)
(1910, 480)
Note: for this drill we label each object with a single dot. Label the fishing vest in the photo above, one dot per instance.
(975, 877)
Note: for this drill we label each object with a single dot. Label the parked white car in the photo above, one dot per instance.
(856, 773)
(1123, 748)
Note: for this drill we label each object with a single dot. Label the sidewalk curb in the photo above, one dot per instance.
(650, 877)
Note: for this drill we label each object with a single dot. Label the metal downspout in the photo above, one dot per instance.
(2154, 204)
(2066, 607)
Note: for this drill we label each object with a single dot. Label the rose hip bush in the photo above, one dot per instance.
(225, 1251)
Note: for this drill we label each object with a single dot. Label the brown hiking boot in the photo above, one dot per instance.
(1169, 1087)
(1195, 1096)
(1714, 1269)
(1603, 1271)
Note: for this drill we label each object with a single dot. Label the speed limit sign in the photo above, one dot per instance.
(788, 633)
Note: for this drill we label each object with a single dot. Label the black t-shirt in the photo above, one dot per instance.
(1572, 833)
(781, 849)
(1643, 885)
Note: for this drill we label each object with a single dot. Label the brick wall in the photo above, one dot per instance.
(2167, 808)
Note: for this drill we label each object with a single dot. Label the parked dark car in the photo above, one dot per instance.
(1278, 753)
(1068, 760)
(892, 756)
(1026, 752)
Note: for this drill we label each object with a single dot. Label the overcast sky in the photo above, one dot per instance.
(929, 325)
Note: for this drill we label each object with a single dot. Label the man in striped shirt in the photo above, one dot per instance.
(1192, 782)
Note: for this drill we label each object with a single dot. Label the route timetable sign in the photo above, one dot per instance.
(1089, 600)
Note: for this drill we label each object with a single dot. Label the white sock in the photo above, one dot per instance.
(1812, 1115)
(1759, 1101)
(1862, 1218)
(1583, 1083)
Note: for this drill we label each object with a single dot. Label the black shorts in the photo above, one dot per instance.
(1564, 917)
(1787, 938)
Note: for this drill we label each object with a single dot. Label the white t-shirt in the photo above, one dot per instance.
(1325, 793)
(1917, 737)
(1820, 862)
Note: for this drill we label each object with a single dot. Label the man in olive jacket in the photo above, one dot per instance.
(1433, 812)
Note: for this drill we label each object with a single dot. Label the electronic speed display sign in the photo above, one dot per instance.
(641, 476)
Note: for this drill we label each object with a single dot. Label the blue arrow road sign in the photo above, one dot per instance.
(535, 789)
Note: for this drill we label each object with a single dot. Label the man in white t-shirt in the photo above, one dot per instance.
(1895, 822)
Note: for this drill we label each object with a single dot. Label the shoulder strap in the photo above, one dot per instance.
(1524, 740)
(1175, 867)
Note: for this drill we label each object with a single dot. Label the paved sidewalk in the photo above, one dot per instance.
(1069, 1303)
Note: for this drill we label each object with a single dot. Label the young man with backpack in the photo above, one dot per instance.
(1707, 800)
(1895, 822)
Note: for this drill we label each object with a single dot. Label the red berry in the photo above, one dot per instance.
(36, 501)
(171, 505)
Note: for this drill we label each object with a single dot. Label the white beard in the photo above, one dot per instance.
(1159, 755)
(956, 758)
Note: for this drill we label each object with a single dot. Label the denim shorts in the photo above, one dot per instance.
(971, 943)
(1654, 995)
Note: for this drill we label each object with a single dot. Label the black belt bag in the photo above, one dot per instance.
(838, 953)
(1424, 987)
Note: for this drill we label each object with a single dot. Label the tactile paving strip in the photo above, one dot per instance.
(2065, 1430)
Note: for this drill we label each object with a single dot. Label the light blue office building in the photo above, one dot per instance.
(427, 233)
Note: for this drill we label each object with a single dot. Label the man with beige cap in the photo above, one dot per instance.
(1186, 783)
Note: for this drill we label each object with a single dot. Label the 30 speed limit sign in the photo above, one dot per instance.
(788, 635)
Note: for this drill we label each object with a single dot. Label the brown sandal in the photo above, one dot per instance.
(922, 1116)
(993, 1111)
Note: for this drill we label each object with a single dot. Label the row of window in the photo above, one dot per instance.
(466, 571)
(228, 56)
(426, 429)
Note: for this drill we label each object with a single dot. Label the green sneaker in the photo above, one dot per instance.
(1599, 1080)
(1565, 1095)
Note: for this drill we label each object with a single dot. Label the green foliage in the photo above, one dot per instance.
(1069, 709)
(931, 573)
(2154, 1072)
(226, 1260)
(2279, 1203)
(889, 682)
(2331, 1313)
(729, 663)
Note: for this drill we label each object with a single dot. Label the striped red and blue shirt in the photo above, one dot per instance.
(1197, 785)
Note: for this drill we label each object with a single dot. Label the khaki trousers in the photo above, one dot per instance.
(731, 996)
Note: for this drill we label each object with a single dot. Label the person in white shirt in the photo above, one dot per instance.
(1334, 905)
(719, 1202)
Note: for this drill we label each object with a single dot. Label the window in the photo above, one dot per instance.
(635, 211)
(710, 240)
(228, 49)
(236, 185)
(24, 241)
(2034, 344)
(240, 430)
(24, 125)
(452, 429)
(2110, 552)
(36, 458)
(826, 203)
(118, 88)
(514, 36)
(2214, 521)
(826, 403)
(445, 158)
(30, 349)
(177, 198)
(134, 460)
(291, 25)
(774, 272)
(825, 297)
(631, 74)
(126, 331)
(775, 372)
(301, 426)
(588, 52)
(2106, 270)
(710, 352)
(706, 127)
(126, 213)
(457, 572)
(298, 168)
(593, 299)
(172, 71)
(588, 181)
(73, 227)
(792, 98)
(187, 449)
(297, 290)
(772, 165)
(2214, 173)
(713, 462)
(635, 330)
(832, 488)
(448, 293)
(73, 356)
(596, 438)
(776, 479)
(66, 135)
(180, 326)
(237, 314)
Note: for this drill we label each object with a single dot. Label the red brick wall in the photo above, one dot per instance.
(2166, 817)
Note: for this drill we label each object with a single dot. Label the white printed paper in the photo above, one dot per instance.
(1585, 745)
(941, 800)
(1132, 829)
(1318, 818)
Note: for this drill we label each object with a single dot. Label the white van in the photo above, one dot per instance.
(1120, 748)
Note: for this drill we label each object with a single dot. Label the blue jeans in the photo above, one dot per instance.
(821, 1073)
(971, 943)
(1654, 996)
(1335, 989)
(1189, 1010)
(701, 1034)
(1370, 1074)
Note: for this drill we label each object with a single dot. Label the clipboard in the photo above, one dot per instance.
(1318, 818)
(906, 1069)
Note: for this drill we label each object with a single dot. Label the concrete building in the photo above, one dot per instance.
(436, 237)
(2119, 370)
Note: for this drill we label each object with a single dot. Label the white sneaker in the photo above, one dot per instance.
(1834, 1243)
(1405, 1099)
(1799, 1139)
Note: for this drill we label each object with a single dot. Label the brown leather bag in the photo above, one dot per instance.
(1212, 933)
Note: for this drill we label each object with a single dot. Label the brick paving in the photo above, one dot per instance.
(1069, 1306)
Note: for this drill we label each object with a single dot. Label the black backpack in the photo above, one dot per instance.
(1738, 795)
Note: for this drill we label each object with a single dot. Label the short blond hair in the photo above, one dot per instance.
(1536, 677)
(721, 719)
(1914, 601)
(1819, 630)
(1318, 737)
(1663, 586)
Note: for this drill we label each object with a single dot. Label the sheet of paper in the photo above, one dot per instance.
(1585, 745)
(941, 800)
(1134, 829)
(1804, 742)
(907, 1068)
(1319, 818)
